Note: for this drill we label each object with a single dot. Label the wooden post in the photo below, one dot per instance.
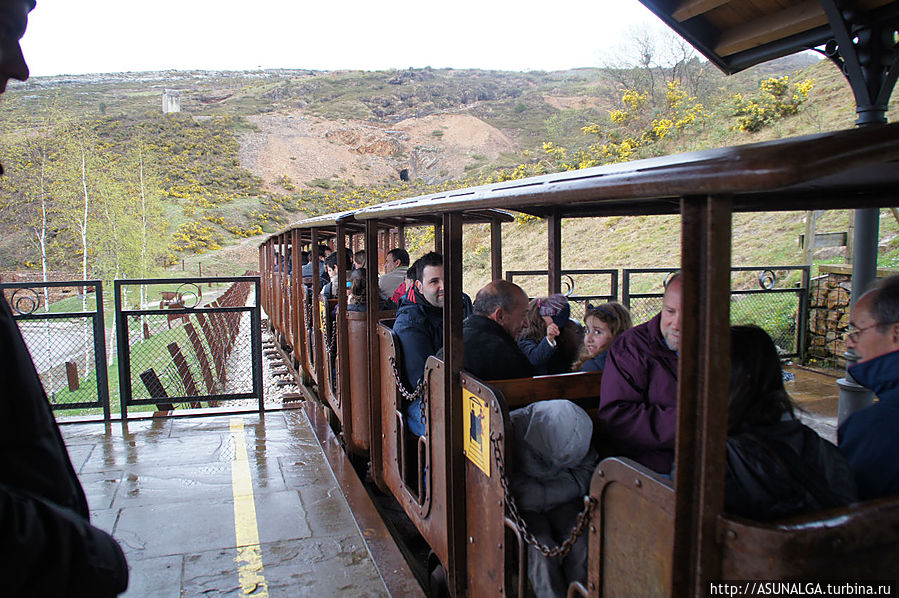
(496, 250)
(72, 375)
(316, 313)
(554, 234)
(703, 377)
(374, 364)
(297, 296)
(438, 238)
(809, 249)
(343, 353)
(453, 358)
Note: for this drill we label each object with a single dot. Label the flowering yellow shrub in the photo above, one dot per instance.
(774, 101)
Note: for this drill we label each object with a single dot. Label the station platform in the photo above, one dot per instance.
(232, 505)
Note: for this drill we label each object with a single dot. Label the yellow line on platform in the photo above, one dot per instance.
(249, 554)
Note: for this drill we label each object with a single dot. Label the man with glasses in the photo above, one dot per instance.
(870, 437)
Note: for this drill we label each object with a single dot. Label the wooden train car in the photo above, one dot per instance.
(647, 535)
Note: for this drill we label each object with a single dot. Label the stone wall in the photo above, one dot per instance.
(829, 297)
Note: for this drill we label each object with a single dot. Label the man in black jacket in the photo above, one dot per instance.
(49, 546)
(489, 335)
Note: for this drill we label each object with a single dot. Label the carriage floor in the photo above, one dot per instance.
(229, 505)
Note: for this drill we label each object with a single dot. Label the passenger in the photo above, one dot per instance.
(359, 259)
(304, 257)
(604, 324)
(549, 338)
(328, 291)
(776, 466)
(869, 437)
(491, 352)
(50, 547)
(638, 395)
(356, 295)
(419, 326)
(307, 269)
(395, 266)
(405, 288)
(554, 462)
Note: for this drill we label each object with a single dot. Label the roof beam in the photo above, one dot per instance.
(691, 8)
(790, 21)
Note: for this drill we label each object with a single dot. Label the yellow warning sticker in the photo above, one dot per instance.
(476, 423)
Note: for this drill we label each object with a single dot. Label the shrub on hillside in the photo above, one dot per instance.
(774, 101)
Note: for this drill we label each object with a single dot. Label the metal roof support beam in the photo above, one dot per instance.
(453, 358)
(703, 378)
(867, 54)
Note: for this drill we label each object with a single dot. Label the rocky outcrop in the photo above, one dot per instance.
(381, 143)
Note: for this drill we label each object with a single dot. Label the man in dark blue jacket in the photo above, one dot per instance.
(49, 546)
(419, 327)
(870, 437)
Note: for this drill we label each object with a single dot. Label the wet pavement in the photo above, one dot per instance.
(225, 505)
(818, 397)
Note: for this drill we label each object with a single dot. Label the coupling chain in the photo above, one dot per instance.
(420, 391)
(563, 549)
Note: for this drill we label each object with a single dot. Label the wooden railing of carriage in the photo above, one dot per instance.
(344, 373)
(415, 469)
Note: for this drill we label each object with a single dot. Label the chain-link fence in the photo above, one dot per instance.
(62, 324)
(590, 286)
(781, 311)
(176, 346)
(778, 303)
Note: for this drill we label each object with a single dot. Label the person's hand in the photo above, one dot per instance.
(552, 331)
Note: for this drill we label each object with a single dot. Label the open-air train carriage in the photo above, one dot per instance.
(661, 537)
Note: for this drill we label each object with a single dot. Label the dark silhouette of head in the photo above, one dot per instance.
(757, 393)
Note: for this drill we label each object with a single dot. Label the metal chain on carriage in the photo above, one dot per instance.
(420, 391)
(563, 549)
(330, 340)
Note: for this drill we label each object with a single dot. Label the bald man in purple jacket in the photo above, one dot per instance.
(638, 397)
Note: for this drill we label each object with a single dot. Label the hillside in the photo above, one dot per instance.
(251, 151)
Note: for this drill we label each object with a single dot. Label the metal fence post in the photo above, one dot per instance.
(256, 341)
(626, 288)
(802, 339)
(100, 351)
(124, 355)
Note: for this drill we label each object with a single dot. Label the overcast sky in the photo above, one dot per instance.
(98, 36)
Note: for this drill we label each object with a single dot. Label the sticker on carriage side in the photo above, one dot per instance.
(477, 431)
